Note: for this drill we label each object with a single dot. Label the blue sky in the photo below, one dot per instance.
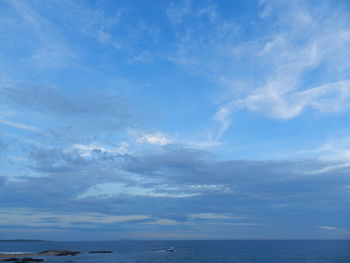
(174, 119)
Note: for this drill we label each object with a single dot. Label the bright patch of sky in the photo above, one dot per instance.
(176, 119)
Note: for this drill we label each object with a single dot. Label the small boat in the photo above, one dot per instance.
(170, 249)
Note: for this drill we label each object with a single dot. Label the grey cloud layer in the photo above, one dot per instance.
(252, 189)
(49, 100)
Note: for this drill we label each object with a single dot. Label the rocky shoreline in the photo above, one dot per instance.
(29, 257)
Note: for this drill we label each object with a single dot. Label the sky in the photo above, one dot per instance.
(174, 119)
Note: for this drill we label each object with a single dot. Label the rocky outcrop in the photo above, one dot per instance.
(30, 260)
(28, 257)
(17, 260)
(58, 253)
(102, 251)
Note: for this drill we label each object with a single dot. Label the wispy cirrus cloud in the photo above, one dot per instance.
(21, 126)
(70, 116)
(336, 149)
(50, 49)
(176, 12)
(299, 61)
(302, 45)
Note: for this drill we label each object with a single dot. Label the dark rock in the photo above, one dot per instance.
(102, 251)
(46, 251)
(32, 260)
(67, 253)
(24, 259)
(50, 252)
(59, 253)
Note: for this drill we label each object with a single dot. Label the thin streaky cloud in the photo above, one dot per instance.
(21, 126)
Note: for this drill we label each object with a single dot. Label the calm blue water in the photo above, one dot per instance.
(193, 251)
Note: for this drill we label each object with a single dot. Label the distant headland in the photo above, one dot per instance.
(23, 240)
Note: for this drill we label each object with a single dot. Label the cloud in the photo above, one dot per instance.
(87, 150)
(119, 28)
(176, 12)
(37, 218)
(337, 231)
(177, 171)
(234, 224)
(47, 99)
(285, 89)
(115, 189)
(48, 47)
(82, 169)
(213, 216)
(21, 126)
(274, 101)
(223, 117)
(157, 138)
(173, 186)
(291, 66)
(69, 116)
(201, 38)
(165, 222)
(336, 150)
(328, 228)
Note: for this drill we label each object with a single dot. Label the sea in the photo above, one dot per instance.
(214, 251)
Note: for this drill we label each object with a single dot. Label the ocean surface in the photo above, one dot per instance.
(192, 251)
